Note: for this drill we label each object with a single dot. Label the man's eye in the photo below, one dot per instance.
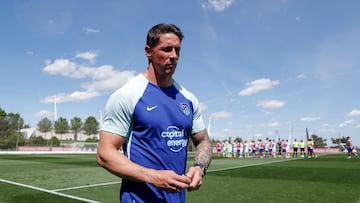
(170, 49)
(167, 49)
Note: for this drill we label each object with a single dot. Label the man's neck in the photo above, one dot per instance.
(158, 80)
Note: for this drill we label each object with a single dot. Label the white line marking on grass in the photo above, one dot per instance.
(248, 165)
(86, 186)
(48, 191)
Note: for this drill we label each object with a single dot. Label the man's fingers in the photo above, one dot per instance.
(174, 188)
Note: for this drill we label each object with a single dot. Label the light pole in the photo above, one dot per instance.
(17, 137)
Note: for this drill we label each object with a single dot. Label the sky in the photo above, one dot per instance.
(260, 68)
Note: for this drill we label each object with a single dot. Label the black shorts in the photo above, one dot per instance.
(295, 149)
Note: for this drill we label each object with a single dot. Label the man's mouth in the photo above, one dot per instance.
(171, 65)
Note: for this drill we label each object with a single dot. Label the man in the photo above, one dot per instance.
(274, 148)
(223, 147)
(267, 147)
(283, 147)
(253, 148)
(153, 117)
(240, 148)
(246, 149)
(234, 150)
(219, 149)
(261, 148)
(308, 147)
(302, 148)
(270, 145)
(350, 148)
(311, 146)
(279, 143)
(295, 148)
(228, 149)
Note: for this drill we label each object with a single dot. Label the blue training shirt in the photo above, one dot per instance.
(157, 123)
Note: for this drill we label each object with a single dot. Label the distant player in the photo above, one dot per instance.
(279, 143)
(219, 148)
(270, 148)
(287, 148)
(234, 150)
(308, 147)
(302, 148)
(283, 147)
(295, 148)
(223, 148)
(267, 147)
(228, 149)
(261, 148)
(246, 149)
(311, 147)
(240, 149)
(253, 148)
(274, 148)
(350, 148)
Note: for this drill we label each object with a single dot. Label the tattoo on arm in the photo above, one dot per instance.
(203, 151)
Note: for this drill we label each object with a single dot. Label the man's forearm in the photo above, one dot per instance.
(203, 152)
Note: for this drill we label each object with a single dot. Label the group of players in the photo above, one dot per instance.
(264, 149)
(271, 149)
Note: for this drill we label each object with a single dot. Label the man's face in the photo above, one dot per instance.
(164, 56)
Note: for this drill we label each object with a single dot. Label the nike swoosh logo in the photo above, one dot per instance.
(151, 108)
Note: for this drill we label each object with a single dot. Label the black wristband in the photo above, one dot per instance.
(202, 166)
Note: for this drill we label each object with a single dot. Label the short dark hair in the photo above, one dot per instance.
(162, 28)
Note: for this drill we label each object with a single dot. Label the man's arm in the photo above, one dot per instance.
(203, 148)
(109, 157)
(203, 154)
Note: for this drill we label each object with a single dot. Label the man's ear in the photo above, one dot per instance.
(148, 52)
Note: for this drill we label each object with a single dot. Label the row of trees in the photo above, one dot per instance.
(62, 126)
(12, 123)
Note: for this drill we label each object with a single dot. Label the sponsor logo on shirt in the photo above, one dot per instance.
(176, 138)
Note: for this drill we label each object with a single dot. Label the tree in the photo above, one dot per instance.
(61, 126)
(91, 126)
(337, 141)
(3, 124)
(15, 121)
(319, 142)
(36, 141)
(45, 125)
(76, 125)
(54, 141)
(9, 123)
(13, 139)
(239, 139)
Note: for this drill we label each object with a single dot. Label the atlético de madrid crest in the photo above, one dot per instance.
(185, 108)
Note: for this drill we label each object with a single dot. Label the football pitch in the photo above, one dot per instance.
(77, 178)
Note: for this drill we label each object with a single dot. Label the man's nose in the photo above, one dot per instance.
(174, 53)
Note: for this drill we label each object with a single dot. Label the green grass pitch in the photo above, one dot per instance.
(77, 178)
